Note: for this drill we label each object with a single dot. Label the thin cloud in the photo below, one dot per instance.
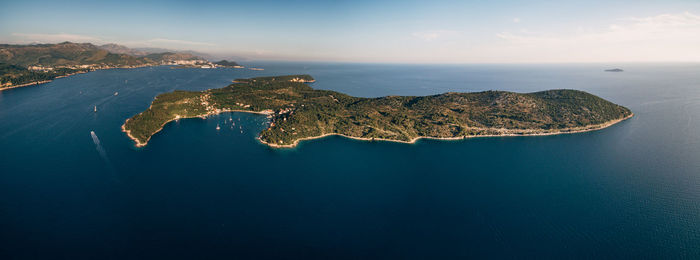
(678, 20)
(179, 42)
(53, 38)
(434, 35)
(663, 37)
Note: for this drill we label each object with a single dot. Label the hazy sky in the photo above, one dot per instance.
(433, 31)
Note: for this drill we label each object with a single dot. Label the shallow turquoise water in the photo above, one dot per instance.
(631, 190)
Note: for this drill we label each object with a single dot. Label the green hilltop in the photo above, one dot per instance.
(299, 112)
(64, 54)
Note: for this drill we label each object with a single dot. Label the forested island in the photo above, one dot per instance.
(228, 64)
(298, 112)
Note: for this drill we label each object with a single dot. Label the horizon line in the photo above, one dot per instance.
(222, 56)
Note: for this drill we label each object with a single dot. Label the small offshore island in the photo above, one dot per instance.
(614, 70)
(299, 112)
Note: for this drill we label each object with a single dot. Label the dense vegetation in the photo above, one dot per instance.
(299, 111)
(17, 75)
(64, 54)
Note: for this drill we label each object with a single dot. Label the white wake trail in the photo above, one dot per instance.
(102, 153)
(100, 150)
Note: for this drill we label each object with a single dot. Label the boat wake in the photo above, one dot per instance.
(103, 154)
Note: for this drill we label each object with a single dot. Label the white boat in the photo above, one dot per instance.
(218, 127)
(116, 93)
(95, 109)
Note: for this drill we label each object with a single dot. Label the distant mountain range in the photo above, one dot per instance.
(68, 53)
(139, 52)
(121, 49)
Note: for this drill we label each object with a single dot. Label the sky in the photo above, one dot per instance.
(436, 31)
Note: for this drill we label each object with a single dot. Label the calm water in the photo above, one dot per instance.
(631, 190)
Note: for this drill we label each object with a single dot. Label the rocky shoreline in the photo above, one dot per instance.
(504, 132)
(523, 132)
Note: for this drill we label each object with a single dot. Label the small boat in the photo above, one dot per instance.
(218, 127)
(116, 93)
(95, 109)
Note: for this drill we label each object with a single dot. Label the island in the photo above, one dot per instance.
(299, 112)
(228, 64)
(614, 70)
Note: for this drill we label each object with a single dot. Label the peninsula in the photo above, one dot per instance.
(299, 112)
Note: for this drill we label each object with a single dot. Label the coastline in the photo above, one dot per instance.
(128, 133)
(520, 132)
(71, 74)
(572, 130)
(27, 84)
(204, 116)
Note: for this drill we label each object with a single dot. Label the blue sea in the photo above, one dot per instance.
(628, 191)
